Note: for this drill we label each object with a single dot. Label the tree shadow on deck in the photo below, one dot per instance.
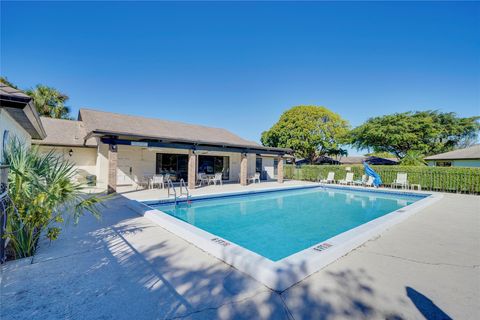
(426, 306)
(133, 269)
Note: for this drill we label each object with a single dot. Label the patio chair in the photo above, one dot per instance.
(330, 178)
(348, 179)
(140, 183)
(216, 178)
(360, 182)
(256, 177)
(369, 182)
(158, 180)
(401, 181)
(202, 178)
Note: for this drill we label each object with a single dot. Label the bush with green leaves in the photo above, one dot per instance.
(44, 192)
(448, 179)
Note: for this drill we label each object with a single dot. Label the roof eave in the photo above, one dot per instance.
(28, 116)
(444, 159)
(103, 133)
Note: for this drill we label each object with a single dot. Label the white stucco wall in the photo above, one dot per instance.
(82, 158)
(15, 130)
(474, 163)
(267, 166)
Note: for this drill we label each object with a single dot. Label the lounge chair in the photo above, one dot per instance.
(401, 181)
(348, 179)
(159, 181)
(360, 182)
(216, 178)
(330, 178)
(369, 182)
(256, 177)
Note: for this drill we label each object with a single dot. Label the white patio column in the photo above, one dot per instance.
(112, 168)
(280, 170)
(243, 169)
(192, 169)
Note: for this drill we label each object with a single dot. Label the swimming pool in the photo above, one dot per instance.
(278, 224)
(280, 236)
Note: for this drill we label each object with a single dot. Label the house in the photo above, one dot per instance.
(122, 149)
(350, 160)
(467, 157)
(18, 118)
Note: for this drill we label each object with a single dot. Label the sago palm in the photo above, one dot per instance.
(43, 193)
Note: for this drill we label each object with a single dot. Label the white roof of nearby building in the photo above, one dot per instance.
(460, 154)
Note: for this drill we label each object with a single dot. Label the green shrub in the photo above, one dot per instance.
(43, 191)
(465, 180)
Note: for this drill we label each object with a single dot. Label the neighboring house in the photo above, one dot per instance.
(350, 160)
(468, 157)
(18, 118)
(122, 149)
(369, 159)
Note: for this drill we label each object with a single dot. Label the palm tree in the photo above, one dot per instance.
(413, 158)
(5, 81)
(50, 102)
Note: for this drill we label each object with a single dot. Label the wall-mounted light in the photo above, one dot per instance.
(70, 152)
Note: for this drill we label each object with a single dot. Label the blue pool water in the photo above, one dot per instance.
(280, 223)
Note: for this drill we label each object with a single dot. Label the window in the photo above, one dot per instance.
(258, 165)
(214, 164)
(174, 164)
(444, 164)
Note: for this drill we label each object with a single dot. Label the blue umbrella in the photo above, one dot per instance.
(377, 181)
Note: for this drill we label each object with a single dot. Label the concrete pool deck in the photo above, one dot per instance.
(124, 266)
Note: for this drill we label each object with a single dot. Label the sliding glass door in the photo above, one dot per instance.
(214, 164)
(176, 165)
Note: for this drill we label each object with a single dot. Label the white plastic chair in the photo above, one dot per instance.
(202, 178)
(330, 178)
(362, 181)
(348, 179)
(158, 180)
(216, 178)
(256, 177)
(401, 181)
(369, 182)
(140, 183)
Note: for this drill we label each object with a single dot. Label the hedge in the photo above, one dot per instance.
(447, 179)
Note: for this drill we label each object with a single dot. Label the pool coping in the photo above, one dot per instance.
(282, 274)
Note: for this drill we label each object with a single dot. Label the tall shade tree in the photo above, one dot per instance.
(309, 130)
(50, 102)
(427, 132)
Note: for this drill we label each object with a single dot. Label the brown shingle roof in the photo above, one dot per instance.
(62, 132)
(157, 128)
(467, 153)
(13, 93)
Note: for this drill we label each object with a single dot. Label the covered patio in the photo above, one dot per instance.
(131, 160)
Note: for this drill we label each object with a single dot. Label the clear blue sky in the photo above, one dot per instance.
(240, 65)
